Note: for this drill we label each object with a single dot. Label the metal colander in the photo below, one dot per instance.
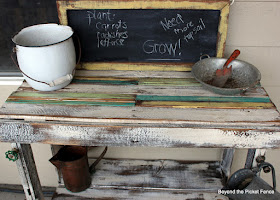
(244, 75)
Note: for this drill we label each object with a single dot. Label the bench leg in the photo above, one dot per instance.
(226, 162)
(254, 156)
(28, 172)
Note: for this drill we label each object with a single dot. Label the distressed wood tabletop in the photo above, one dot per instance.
(140, 108)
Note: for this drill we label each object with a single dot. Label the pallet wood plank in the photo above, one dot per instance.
(132, 74)
(151, 179)
(170, 115)
(158, 174)
(72, 95)
(68, 102)
(135, 135)
(141, 195)
(145, 100)
(202, 98)
(90, 96)
(163, 90)
(136, 67)
(217, 105)
(178, 114)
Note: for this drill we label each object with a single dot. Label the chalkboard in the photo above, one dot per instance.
(145, 35)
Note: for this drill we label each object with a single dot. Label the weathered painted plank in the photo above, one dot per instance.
(151, 123)
(96, 99)
(57, 94)
(73, 103)
(138, 135)
(219, 105)
(194, 115)
(143, 179)
(38, 111)
(112, 194)
(50, 98)
(107, 78)
(137, 81)
(132, 74)
(165, 90)
(202, 98)
(109, 82)
(171, 82)
(136, 67)
(27, 99)
(159, 174)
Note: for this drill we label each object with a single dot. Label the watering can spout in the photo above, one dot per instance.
(55, 161)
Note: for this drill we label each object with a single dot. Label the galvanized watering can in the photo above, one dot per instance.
(72, 161)
(244, 184)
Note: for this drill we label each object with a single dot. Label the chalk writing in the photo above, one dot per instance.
(180, 26)
(184, 29)
(153, 47)
(190, 36)
(107, 39)
(113, 26)
(99, 16)
(170, 23)
(111, 32)
(142, 35)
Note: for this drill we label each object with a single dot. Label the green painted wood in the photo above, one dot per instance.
(202, 98)
(77, 103)
(72, 95)
(169, 81)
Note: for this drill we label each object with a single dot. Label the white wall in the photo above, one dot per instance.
(254, 28)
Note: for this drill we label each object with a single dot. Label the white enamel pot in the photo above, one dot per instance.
(46, 55)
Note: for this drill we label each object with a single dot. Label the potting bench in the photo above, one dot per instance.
(140, 108)
(140, 104)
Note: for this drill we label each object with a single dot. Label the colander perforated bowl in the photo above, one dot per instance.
(244, 75)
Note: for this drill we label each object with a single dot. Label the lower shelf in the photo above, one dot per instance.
(145, 179)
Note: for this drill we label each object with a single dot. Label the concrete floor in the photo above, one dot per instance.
(15, 192)
(15, 196)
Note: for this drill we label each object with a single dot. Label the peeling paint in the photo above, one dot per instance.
(166, 137)
(21, 133)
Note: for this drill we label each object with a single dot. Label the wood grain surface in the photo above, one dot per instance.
(125, 108)
(142, 179)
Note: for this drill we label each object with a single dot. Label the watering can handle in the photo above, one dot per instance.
(92, 167)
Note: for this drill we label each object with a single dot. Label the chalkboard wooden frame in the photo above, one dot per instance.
(222, 5)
